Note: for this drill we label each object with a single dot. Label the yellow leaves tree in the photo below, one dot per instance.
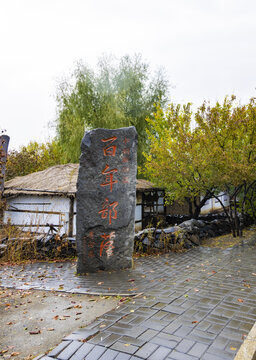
(217, 155)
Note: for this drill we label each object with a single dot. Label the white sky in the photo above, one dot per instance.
(207, 47)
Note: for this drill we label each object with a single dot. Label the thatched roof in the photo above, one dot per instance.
(58, 179)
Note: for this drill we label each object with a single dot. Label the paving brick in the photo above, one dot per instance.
(157, 325)
(99, 337)
(160, 354)
(174, 326)
(146, 350)
(131, 340)
(208, 356)
(110, 340)
(181, 356)
(96, 353)
(148, 335)
(197, 350)
(184, 345)
(166, 340)
(138, 320)
(82, 351)
(70, 350)
(59, 348)
(174, 309)
(109, 355)
(182, 331)
(124, 347)
(122, 356)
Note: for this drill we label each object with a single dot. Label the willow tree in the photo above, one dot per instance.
(117, 95)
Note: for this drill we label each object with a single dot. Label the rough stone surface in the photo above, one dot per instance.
(106, 198)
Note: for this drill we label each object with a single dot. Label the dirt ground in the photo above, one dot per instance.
(33, 322)
(226, 241)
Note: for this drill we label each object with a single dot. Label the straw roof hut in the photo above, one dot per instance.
(49, 197)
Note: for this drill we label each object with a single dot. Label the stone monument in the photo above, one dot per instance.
(106, 199)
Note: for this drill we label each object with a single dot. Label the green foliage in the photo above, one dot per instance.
(118, 95)
(31, 158)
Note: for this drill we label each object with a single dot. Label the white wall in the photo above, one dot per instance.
(32, 213)
(213, 205)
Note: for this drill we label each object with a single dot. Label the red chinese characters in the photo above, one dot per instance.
(108, 243)
(109, 149)
(109, 210)
(109, 181)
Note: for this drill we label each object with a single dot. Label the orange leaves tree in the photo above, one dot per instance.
(204, 158)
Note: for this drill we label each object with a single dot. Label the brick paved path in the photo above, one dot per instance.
(195, 305)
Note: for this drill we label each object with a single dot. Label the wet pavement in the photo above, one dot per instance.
(184, 306)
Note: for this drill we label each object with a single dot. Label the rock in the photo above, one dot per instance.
(171, 229)
(106, 196)
(195, 239)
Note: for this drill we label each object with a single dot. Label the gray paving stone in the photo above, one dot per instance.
(155, 324)
(182, 331)
(197, 350)
(174, 309)
(124, 347)
(160, 354)
(56, 351)
(181, 356)
(146, 350)
(109, 355)
(148, 335)
(122, 356)
(96, 353)
(166, 340)
(109, 340)
(184, 345)
(82, 351)
(131, 340)
(70, 350)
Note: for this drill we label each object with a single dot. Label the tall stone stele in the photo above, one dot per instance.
(106, 199)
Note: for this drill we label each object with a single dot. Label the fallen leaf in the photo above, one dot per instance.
(102, 325)
(78, 306)
(127, 344)
(131, 310)
(232, 348)
(240, 300)
(15, 353)
(123, 299)
(35, 332)
(10, 323)
(50, 329)
(78, 313)
(194, 322)
(56, 317)
(131, 280)
(101, 282)
(3, 352)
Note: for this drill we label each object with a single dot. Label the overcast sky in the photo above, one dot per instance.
(207, 47)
